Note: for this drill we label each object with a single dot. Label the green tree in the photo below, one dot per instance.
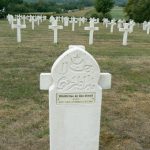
(104, 6)
(138, 10)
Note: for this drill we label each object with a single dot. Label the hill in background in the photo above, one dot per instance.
(118, 2)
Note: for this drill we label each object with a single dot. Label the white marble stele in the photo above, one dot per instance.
(75, 95)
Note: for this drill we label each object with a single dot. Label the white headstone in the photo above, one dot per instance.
(75, 96)
(126, 30)
(18, 26)
(91, 28)
(55, 28)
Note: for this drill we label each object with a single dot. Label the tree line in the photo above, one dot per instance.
(20, 6)
(138, 10)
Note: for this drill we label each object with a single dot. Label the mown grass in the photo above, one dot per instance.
(116, 12)
(125, 122)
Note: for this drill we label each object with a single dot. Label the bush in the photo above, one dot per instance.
(107, 15)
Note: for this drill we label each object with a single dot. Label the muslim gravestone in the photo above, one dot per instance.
(75, 94)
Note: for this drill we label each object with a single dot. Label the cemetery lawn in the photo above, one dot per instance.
(116, 12)
(125, 122)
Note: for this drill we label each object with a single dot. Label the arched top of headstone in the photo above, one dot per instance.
(75, 70)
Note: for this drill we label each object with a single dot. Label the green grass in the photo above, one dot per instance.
(118, 13)
(24, 108)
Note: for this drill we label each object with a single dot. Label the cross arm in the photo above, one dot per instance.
(121, 29)
(105, 80)
(46, 80)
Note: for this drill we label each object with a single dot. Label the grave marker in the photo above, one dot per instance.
(55, 27)
(91, 28)
(73, 21)
(126, 30)
(66, 21)
(112, 23)
(75, 95)
(18, 26)
(148, 27)
(32, 20)
(144, 25)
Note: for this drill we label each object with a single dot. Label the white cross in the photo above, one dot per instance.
(39, 18)
(79, 20)
(120, 23)
(18, 26)
(148, 27)
(55, 27)
(144, 25)
(112, 23)
(33, 20)
(66, 21)
(105, 22)
(73, 21)
(83, 20)
(131, 25)
(24, 19)
(12, 23)
(92, 29)
(51, 19)
(62, 19)
(126, 29)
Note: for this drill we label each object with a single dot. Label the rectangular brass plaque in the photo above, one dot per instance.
(75, 98)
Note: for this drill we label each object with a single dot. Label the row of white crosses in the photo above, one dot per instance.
(20, 26)
(123, 27)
